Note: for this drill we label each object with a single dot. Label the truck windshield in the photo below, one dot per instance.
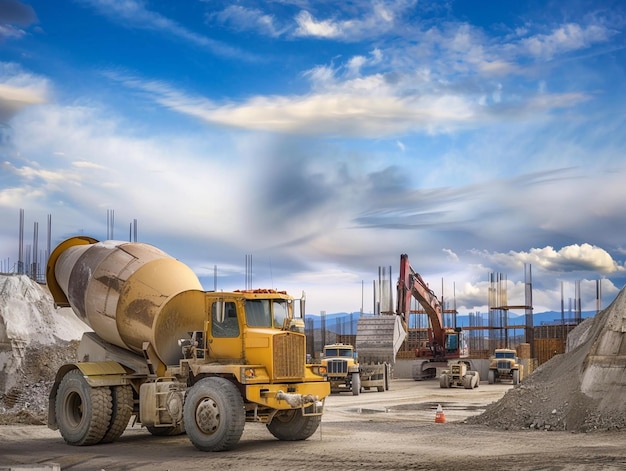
(505, 355)
(258, 313)
(338, 352)
(281, 312)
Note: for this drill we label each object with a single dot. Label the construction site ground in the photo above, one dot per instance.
(394, 429)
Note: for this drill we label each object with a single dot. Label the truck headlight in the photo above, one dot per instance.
(319, 369)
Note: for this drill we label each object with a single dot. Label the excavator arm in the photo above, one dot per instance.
(411, 285)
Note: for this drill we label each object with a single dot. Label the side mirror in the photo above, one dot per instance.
(302, 305)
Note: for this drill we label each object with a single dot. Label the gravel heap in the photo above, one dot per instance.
(27, 400)
(35, 340)
(558, 395)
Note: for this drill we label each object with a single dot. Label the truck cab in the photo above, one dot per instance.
(342, 368)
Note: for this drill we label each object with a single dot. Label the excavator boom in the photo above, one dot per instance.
(411, 285)
(445, 342)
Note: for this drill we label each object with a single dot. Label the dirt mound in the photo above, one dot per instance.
(35, 340)
(27, 400)
(581, 390)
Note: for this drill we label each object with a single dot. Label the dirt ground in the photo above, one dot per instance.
(390, 430)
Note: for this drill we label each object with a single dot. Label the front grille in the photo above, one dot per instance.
(289, 356)
(504, 365)
(337, 366)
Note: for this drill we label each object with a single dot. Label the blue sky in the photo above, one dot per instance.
(325, 139)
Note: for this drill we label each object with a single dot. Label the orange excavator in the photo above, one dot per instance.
(444, 343)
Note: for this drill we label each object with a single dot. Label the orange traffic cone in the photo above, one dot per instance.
(440, 417)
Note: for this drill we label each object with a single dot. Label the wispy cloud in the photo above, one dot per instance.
(565, 38)
(241, 18)
(134, 14)
(374, 19)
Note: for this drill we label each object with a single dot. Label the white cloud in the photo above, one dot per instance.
(566, 38)
(308, 26)
(451, 255)
(242, 18)
(11, 32)
(374, 19)
(572, 258)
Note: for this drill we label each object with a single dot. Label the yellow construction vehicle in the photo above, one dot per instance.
(178, 358)
(459, 374)
(369, 366)
(504, 364)
(342, 369)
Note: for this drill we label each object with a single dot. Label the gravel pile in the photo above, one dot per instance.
(552, 398)
(27, 400)
(35, 340)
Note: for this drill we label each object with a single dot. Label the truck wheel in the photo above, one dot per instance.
(467, 381)
(476, 379)
(214, 415)
(491, 377)
(387, 375)
(290, 425)
(356, 384)
(516, 377)
(122, 409)
(83, 413)
(443, 381)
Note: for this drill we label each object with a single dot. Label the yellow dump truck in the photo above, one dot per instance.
(370, 364)
(504, 365)
(178, 358)
(342, 368)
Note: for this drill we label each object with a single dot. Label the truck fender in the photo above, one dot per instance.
(102, 373)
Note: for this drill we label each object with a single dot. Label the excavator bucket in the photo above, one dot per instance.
(378, 338)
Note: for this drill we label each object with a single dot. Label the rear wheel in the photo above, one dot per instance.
(387, 377)
(83, 413)
(291, 425)
(122, 409)
(214, 415)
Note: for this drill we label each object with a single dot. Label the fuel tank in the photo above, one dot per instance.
(128, 293)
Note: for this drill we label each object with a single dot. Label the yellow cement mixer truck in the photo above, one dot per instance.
(178, 358)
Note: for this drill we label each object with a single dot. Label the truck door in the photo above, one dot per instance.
(225, 330)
